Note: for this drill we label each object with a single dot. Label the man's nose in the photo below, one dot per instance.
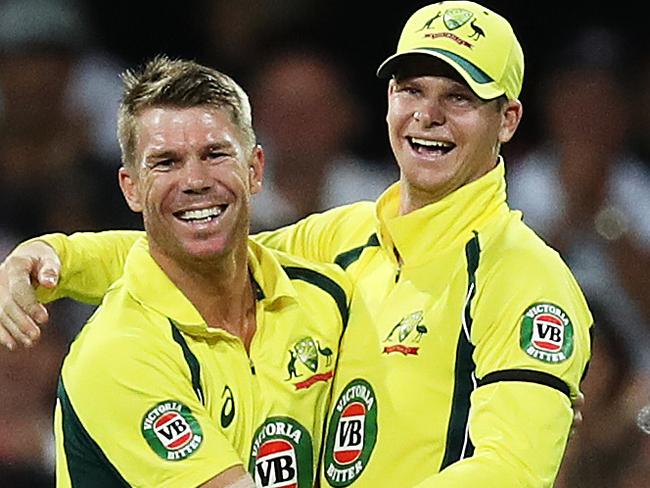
(429, 115)
(196, 176)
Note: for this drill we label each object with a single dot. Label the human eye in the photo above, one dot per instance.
(162, 164)
(408, 88)
(460, 98)
(217, 154)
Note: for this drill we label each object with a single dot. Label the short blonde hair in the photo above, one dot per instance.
(177, 83)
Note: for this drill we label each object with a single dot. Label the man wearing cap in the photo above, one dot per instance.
(468, 336)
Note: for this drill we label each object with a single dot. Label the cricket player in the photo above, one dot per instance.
(180, 377)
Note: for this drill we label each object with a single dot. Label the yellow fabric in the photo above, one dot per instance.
(412, 302)
(479, 43)
(406, 337)
(126, 361)
(100, 262)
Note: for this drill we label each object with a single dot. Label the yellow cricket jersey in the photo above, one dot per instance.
(150, 396)
(466, 340)
(467, 337)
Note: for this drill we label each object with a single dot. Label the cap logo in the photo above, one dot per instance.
(456, 17)
(453, 19)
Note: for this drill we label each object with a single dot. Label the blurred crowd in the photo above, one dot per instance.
(580, 175)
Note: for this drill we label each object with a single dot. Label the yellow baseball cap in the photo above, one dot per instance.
(478, 43)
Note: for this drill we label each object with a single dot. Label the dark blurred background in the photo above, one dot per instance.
(578, 168)
(358, 34)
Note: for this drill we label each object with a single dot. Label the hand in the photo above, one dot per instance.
(577, 404)
(21, 316)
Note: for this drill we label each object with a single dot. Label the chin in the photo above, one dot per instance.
(209, 249)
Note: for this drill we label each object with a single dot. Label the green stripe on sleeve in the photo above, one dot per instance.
(88, 466)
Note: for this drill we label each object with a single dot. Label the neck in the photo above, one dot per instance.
(220, 288)
(412, 198)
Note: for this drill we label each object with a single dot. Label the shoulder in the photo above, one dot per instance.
(119, 334)
(351, 216)
(516, 262)
(514, 246)
(329, 278)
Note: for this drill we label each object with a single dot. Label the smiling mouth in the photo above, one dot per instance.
(202, 215)
(430, 147)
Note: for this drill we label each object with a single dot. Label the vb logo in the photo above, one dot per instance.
(282, 455)
(171, 430)
(351, 433)
(546, 333)
(276, 465)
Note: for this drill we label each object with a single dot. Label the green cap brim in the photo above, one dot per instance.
(480, 83)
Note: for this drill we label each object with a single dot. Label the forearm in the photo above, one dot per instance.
(90, 263)
(520, 433)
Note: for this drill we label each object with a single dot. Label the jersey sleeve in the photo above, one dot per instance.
(90, 263)
(323, 236)
(137, 421)
(531, 332)
(532, 316)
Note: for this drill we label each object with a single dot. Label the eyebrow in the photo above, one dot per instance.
(219, 145)
(170, 153)
(161, 155)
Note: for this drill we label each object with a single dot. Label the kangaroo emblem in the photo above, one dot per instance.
(291, 367)
(427, 25)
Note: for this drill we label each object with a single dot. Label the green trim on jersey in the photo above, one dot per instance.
(192, 362)
(88, 466)
(324, 283)
(346, 258)
(527, 376)
(459, 445)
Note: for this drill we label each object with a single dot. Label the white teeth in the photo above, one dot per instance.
(201, 214)
(428, 143)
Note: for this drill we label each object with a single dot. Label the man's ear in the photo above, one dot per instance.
(512, 113)
(256, 170)
(129, 186)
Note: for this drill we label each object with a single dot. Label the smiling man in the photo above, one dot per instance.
(181, 370)
(468, 335)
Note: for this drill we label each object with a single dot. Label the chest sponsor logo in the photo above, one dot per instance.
(171, 430)
(405, 335)
(546, 333)
(309, 362)
(351, 433)
(281, 455)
